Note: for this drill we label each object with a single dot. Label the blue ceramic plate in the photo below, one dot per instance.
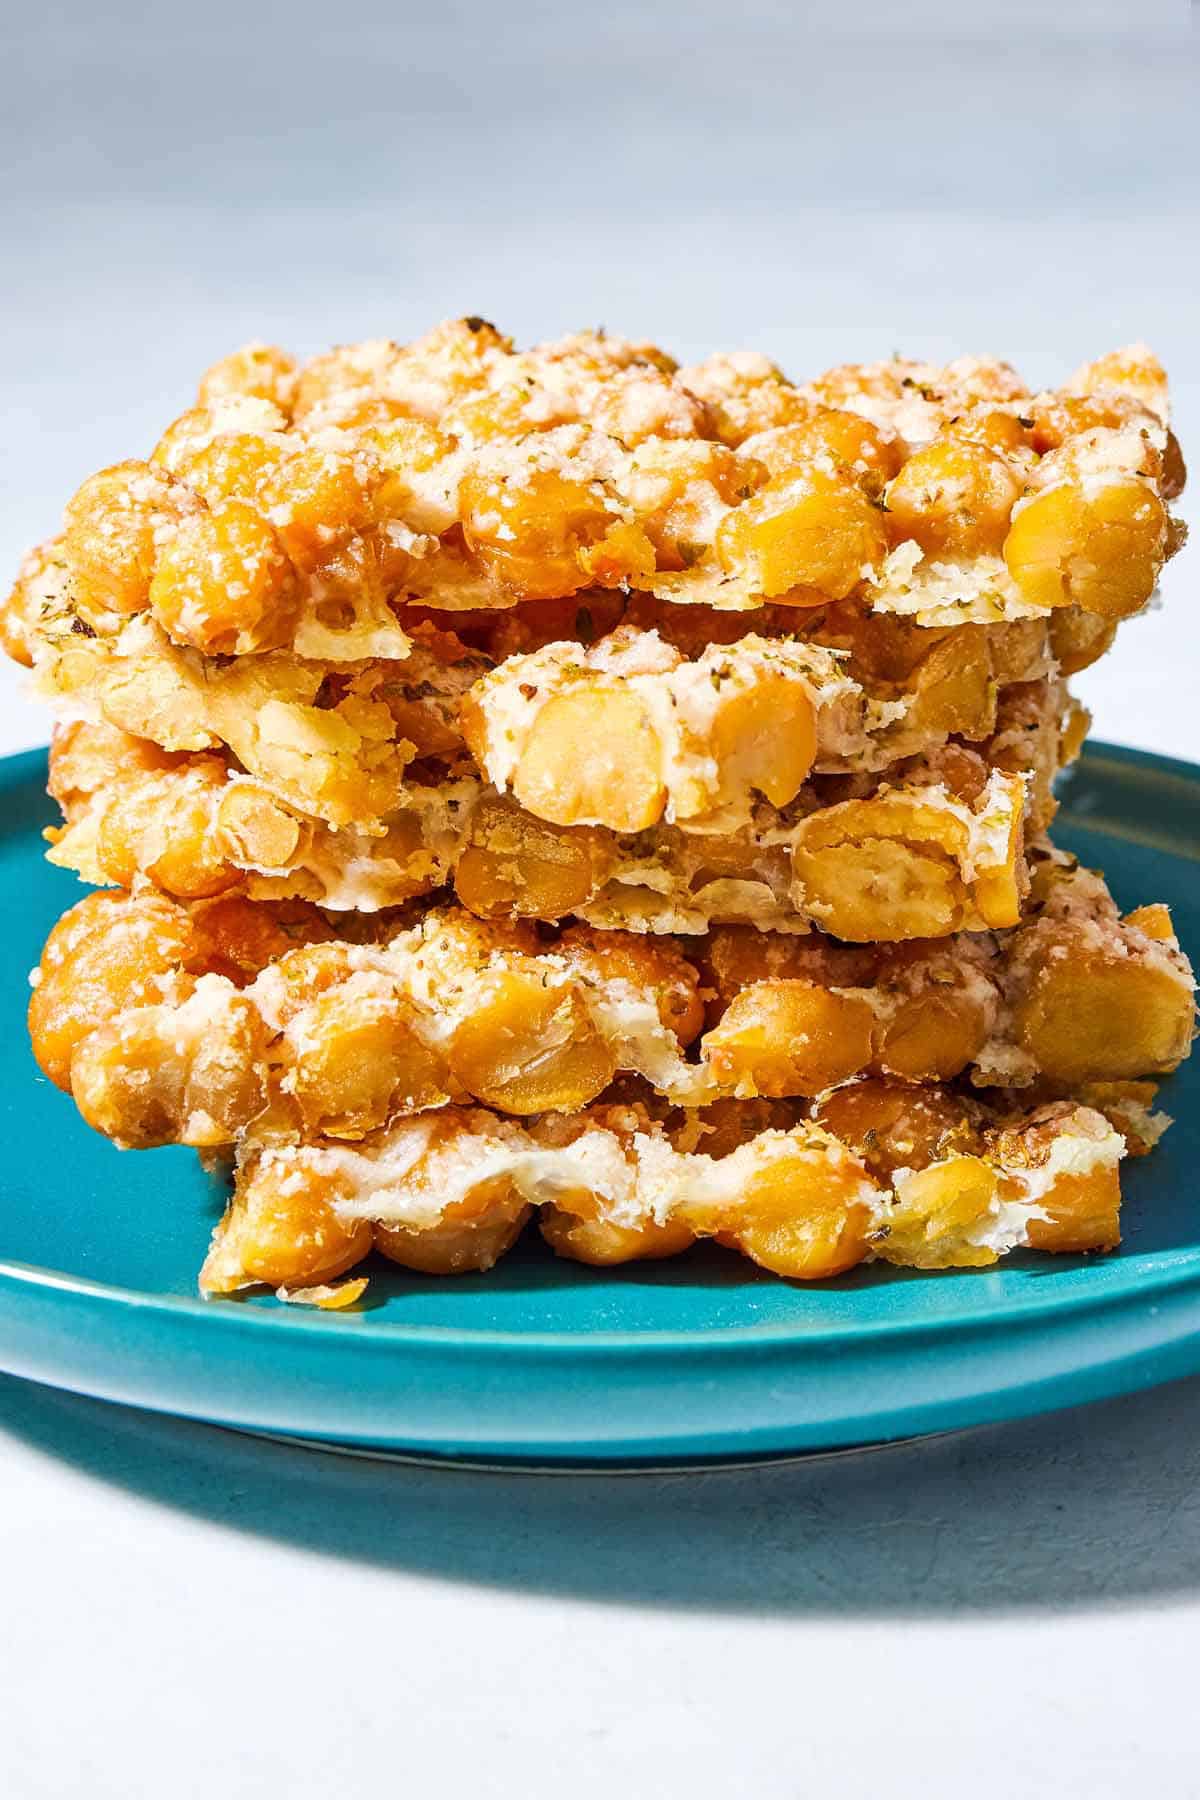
(702, 1357)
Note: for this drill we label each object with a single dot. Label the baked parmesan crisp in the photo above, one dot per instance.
(559, 783)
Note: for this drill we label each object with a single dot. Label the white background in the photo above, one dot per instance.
(1012, 1612)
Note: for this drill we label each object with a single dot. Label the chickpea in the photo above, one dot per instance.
(790, 1037)
(736, 956)
(935, 1033)
(184, 442)
(19, 610)
(106, 954)
(529, 1047)
(174, 844)
(880, 889)
(160, 1075)
(953, 688)
(472, 1234)
(417, 485)
(236, 937)
(1134, 370)
(317, 499)
(860, 450)
(530, 535)
(1102, 1016)
(654, 964)
(1153, 921)
(257, 371)
(802, 1216)
(116, 526)
(811, 531)
(356, 1062)
(745, 394)
(1083, 1213)
(1078, 639)
(941, 1207)
(282, 1229)
(326, 379)
(764, 739)
(1097, 546)
(234, 465)
(953, 498)
(897, 1125)
(516, 866)
(257, 831)
(224, 584)
(1005, 433)
(592, 757)
(572, 1231)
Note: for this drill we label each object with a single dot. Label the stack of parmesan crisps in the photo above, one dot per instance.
(562, 785)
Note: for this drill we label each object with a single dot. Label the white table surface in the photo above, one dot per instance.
(1012, 1612)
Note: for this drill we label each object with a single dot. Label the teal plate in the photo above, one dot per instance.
(701, 1358)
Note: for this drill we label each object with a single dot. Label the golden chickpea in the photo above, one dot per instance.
(592, 757)
(897, 1125)
(507, 411)
(656, 964)
(1059, 417)
(953, 498)
(744, 394)
(1097, 546)
(1002, 432)
(472, 1234)
(580, 1236)
(418, 485)
(1078, 639)
(154, 1076)
(356, 1063)
(936, 1032)
(953, 688)
(431, 374)
(764, 739)
(516, 866)
(1083, 1213)
(528, 1047)
(880, 890)
(934, 1224)
(336, 374)
(107, 953)
(682, 488)
(1153, 921)
(318, 498)
(19, 610)
(116, 526)
(801, 1217)
(237, 937)
(736, 956)
(1134, 370)
(224, 584)
(172, 842)
(857, 447)
(1102, 1016)
(283, 1229)
(622, 556)
(257, 371)
(811, 531)
(790, 1037)
(186, 439)
(231, 466)
(529, 534)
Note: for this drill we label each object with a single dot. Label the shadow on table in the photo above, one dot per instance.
(1092, 1506)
